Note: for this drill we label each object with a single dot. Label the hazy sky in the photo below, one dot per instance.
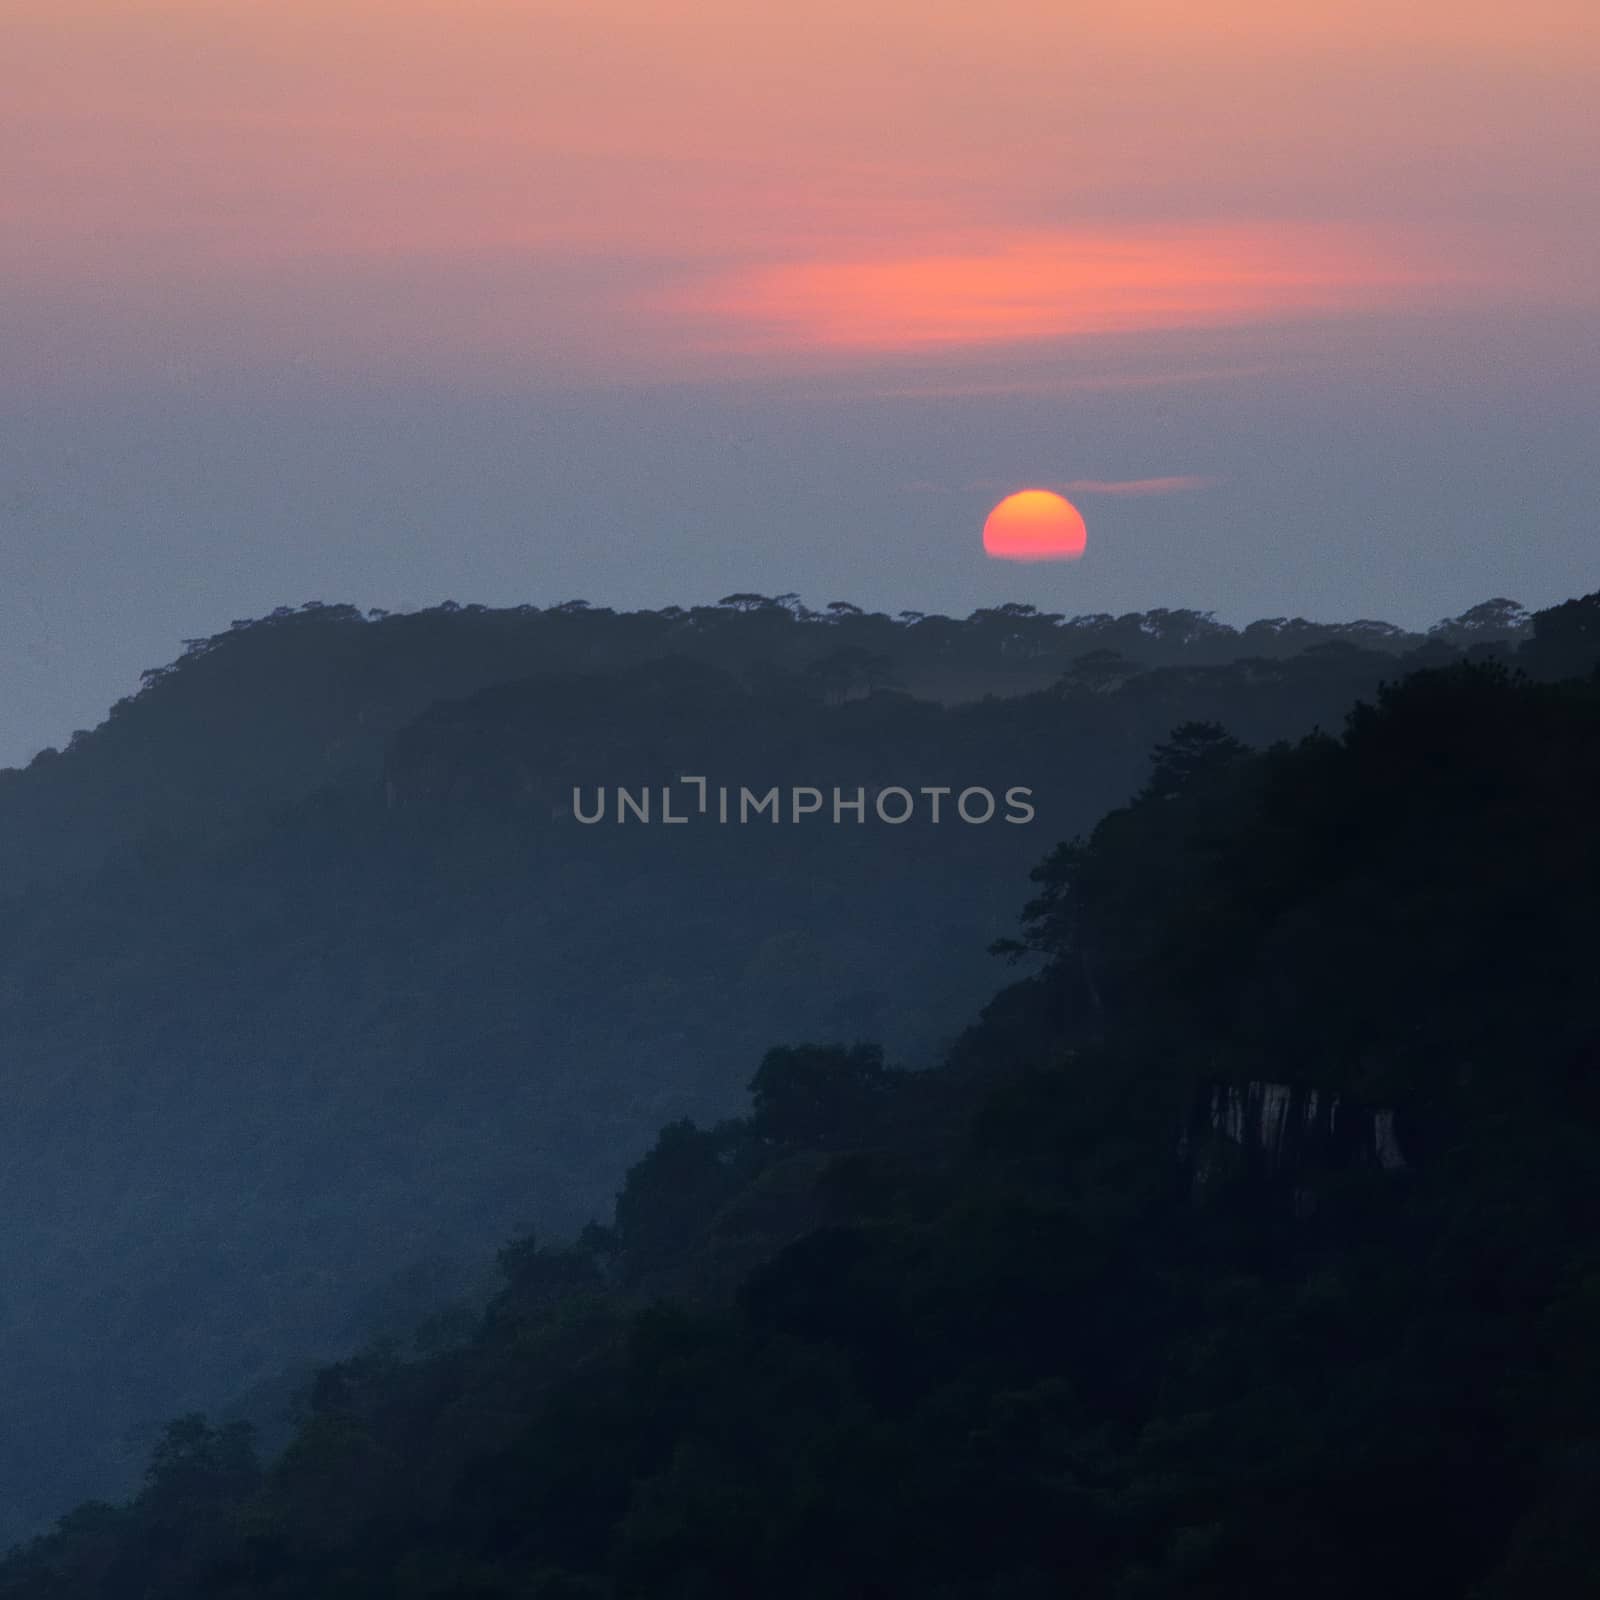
(393, 301)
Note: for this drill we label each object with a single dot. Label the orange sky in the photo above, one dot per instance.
(625, 187)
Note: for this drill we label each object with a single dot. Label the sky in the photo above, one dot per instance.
(398, 301)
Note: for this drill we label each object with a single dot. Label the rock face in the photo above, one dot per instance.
(1285, 1131)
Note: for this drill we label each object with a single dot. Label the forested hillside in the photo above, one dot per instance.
(323, 992)
(1075, 1309)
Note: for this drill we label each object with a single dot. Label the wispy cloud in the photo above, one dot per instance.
(941, 387)
(1130, 487)
(1188, 483)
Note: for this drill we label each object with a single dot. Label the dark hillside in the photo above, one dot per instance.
(314, 1053)
(1076, 1308)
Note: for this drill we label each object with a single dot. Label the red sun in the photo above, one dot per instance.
(1035, 525)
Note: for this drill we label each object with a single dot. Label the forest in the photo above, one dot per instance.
(1241, 1244)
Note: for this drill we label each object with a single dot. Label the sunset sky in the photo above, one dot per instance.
(398, 301)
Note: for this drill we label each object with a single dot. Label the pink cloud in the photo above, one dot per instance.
(1009, 287)
(1138, 486)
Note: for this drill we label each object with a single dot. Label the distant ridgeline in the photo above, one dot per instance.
(309, 998)
(263, 714)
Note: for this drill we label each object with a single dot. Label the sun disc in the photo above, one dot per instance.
(1035, 525)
